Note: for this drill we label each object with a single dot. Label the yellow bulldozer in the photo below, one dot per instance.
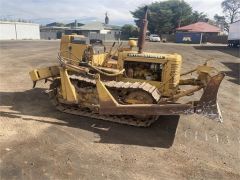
(125, 85)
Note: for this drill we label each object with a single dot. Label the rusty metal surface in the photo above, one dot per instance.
(77, 109)
(208, 102)
(143, 31)
(144, 109)
(123, 114)
(185, 93)
(146, 87)
(109, 105)
(210, 92)
(123, 119)
(129, 120)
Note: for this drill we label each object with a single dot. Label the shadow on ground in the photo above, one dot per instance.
(35, 104)
(234, 73)
(224, 49)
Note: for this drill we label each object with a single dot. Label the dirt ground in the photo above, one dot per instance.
(39, 142)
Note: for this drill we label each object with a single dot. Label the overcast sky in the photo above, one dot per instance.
(45, 11)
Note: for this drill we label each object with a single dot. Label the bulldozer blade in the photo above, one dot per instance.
(208, 104)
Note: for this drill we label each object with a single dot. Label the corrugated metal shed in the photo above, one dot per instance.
(7, 31)
(18, 30)
(99, 26)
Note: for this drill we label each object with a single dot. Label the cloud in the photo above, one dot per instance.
(45, 11)
(210, 7)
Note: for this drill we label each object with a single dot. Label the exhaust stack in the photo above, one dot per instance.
(143, 30)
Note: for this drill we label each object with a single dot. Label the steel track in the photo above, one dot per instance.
(129, 120)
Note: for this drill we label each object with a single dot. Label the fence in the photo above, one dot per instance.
(215, 39)
(206, 38)
(168, 37)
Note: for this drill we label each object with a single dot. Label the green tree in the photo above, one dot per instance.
(221, 22)
(128, 31)
(197, 16)
(231, 8)
(166, 16)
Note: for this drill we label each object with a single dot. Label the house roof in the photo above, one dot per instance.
(14, 22)
(54, 28)
(72, 24)
(99, 26)
(55, 24)
(199, 27)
